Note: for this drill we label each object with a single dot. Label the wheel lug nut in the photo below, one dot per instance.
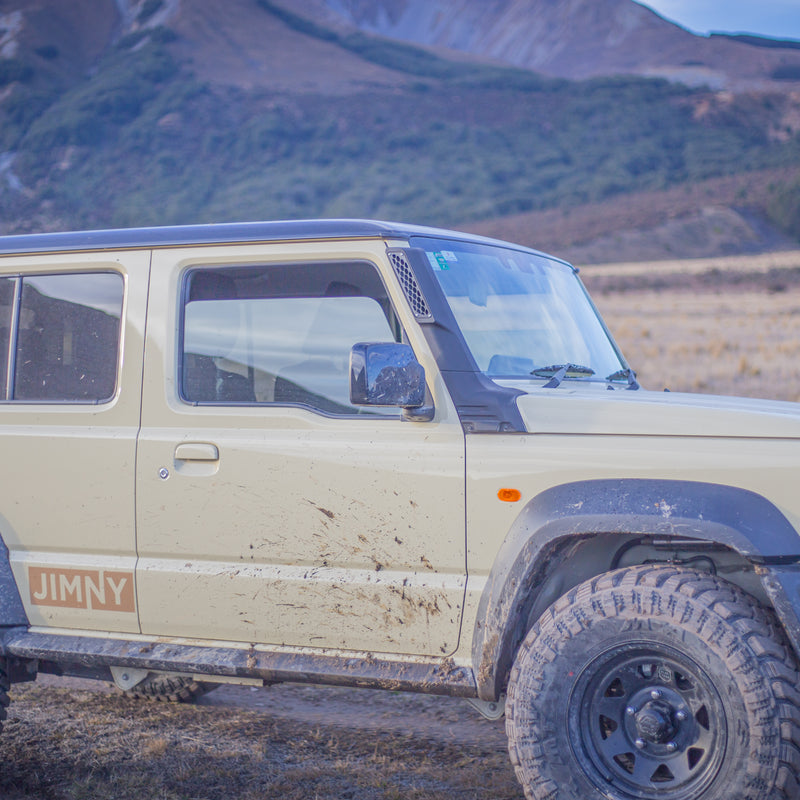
(655, 694)
(630, 711)
(639, 744)
(681, 715)
(671, 747)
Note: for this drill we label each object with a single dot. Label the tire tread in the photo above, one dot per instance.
(168, 689)
(716, 610)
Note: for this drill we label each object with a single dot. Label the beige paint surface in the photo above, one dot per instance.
(67, 481)
(342, 533)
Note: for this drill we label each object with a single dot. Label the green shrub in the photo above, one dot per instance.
(783, 209)
(130, 40)
(162, 35)
(787, 72)
(298, 23)
(149, 7)
(20, 109)
(114, 97)
(48, 51)
(13, 70)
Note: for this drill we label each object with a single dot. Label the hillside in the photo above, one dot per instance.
(568, 39)
(716, 217)
(573, 39)
(168, 111)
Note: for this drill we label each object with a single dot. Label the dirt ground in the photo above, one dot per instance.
(82, 740)
(728, 326)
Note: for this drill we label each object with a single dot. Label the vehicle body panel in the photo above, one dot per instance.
(68, 476)
(308, 529)
(586, 409)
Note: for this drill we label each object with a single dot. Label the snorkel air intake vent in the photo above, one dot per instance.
(410, 286)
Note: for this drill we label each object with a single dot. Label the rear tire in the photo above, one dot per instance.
(655, 682)
(169, 688)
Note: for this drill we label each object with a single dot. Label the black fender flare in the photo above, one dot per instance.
(736, 518)
(12, 612)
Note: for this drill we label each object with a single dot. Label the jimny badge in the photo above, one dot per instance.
(90, 589)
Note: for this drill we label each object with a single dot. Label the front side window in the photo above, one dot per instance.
(522, 315)
(281, 334)
(59, 335)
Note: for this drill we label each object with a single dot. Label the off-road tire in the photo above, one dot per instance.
(655, 682)
(4, 688)
(167, 688)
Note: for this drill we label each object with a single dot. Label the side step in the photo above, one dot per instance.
(424, 674)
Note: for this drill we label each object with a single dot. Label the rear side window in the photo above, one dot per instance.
(59, 336)
(6, 315)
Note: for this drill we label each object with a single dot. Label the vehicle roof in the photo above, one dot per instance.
(231, 233)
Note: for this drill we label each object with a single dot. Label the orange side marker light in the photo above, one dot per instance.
(509, 495)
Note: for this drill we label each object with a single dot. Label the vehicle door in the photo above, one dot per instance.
(71, 350)
(270, 509)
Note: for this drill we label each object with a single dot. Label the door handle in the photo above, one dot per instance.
(196, 451)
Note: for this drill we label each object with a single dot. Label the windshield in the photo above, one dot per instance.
(523, 315)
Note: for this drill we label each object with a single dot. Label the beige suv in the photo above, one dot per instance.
(370, 454)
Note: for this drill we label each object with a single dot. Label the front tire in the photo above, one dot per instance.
(655, 682)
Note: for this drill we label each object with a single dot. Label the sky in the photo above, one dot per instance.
(778, 18)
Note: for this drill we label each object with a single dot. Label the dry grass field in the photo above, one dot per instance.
(720, 326)
(63, 741)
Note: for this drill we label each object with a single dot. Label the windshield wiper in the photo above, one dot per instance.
(559, 372)
(628, 374)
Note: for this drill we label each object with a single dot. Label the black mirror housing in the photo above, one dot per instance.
(386, 374)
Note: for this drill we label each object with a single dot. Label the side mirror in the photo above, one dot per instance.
(383, 374)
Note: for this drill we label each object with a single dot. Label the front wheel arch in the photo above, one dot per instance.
(574, 560)
(690, 686)
(570, 517)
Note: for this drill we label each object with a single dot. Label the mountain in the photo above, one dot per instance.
(131, 112)
(568, 38)
(574, 39)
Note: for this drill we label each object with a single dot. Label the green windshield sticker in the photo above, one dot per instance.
(432, 259)
(441, 259)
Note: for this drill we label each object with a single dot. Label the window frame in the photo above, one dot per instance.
(383, 414)
(14, 330)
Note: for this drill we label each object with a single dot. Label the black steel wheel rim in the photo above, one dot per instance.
(647, 721)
